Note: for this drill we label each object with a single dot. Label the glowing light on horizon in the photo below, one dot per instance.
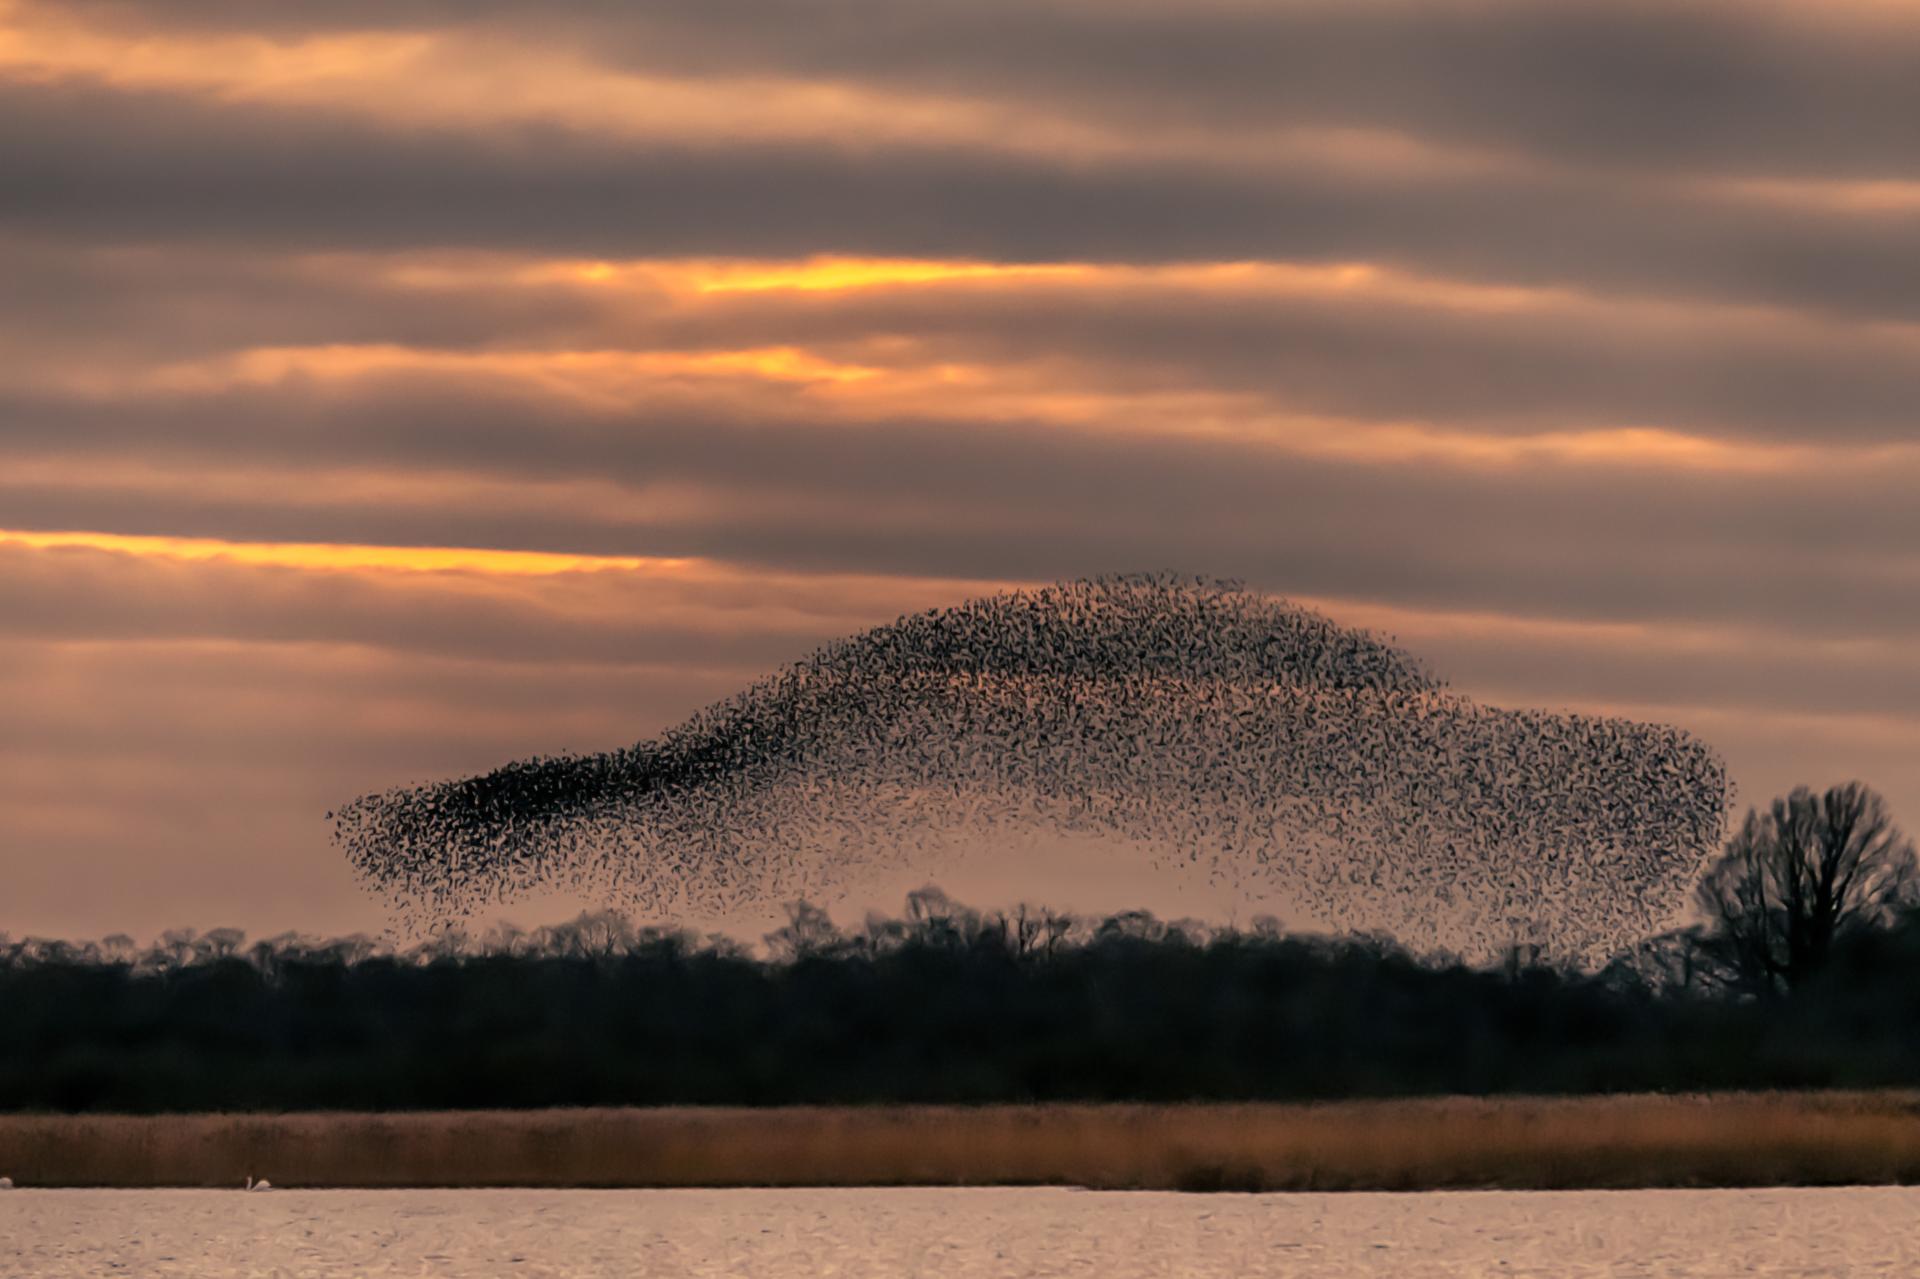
(829, 274)
(573, 370)
(335, 555)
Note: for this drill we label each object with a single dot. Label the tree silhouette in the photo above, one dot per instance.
(1796, 879)
(950, 1004)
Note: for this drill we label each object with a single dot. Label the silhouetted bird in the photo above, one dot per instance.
(1227, 732)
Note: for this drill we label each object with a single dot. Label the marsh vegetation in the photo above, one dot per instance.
(1730, 1140)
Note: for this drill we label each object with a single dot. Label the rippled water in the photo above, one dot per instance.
(958, 1233)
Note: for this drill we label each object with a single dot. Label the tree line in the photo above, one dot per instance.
(1802, 970)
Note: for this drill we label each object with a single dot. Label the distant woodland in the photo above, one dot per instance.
(1811, 981)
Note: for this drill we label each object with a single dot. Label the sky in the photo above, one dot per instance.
(395, 388)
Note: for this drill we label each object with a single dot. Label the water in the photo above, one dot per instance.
(955, 1234)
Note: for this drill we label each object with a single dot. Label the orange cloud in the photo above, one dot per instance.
(836, 274)
(334, 556)
(899, 381)
(671, 585)
(693, 279)
(608, 376)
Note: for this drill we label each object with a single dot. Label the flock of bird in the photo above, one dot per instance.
(1224, 733)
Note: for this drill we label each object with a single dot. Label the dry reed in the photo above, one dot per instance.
(1719, 1140)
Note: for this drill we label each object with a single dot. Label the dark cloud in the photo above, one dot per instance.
(1529, 368)
(91, 595)
(1717, 86)
(96, 165)
(1754, 672)
(280, 642)
(1361, 355)
(136, 306)
(1822, 552)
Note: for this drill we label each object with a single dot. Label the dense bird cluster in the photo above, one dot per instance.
(1224, 733)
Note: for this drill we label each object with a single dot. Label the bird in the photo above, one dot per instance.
(262, 1184)
(1229, 733)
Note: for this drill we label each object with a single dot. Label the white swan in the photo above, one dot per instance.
(262, 1184)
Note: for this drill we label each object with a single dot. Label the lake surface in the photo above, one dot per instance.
(888, 1234)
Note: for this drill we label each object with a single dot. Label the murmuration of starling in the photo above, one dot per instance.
(1229, 734)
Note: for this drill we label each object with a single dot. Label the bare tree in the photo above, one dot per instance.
(604, 934)
(935, 919)
(221, 943)
(1801, 876)
(1024, 929)
(444, 945)
(809, 933)
(177, 946)
(505, 938)
(1681, 959)
(1133, 925)
(1056, 930)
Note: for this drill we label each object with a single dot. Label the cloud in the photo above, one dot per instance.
(1826, 552)
(1739, 87)
(109, 166)
(693, 617)
(1353, 340)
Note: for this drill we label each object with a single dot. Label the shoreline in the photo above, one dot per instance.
(1519, 1143)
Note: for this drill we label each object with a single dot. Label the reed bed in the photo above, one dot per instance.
(1749, 1139)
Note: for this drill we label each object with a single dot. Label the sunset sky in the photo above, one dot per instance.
(396, 387)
